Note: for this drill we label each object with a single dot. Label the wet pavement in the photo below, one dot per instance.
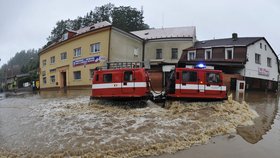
(60, 123)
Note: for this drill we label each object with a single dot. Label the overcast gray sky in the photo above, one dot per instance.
(25, 24)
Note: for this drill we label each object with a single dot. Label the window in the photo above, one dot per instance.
(135, 52)
(174, 53)
(128, 76)
(269, 62)
(208, 54)
(189, 76)
(52, 59)
(52, 78)
(77, 52)
(77, 75)
(159, 54)
(97, 78)
(260, 45)
(44, 80)
(94, 48)
(63, 56)
(52, 70)
(191, 55)
(44, 62)
(91, 73)
(107, 78)
(212, 77)
(65, 36)
(257, 58)
(229, 53)
(43, 73)
(265, 47)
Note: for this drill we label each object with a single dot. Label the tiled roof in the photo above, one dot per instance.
(166, 32)
(240, 41)
(92, 27)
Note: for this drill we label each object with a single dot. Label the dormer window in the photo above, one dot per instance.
(65, 36)
(208, 54)
(229, 53)
(191, 55)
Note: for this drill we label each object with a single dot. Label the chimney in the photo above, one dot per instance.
(234, 36)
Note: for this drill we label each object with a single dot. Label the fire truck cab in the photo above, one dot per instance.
(196, 83)
(121, 83)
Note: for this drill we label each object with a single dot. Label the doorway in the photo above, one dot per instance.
(63, 80)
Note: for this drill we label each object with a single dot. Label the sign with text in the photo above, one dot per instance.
(263, 71)
(89, 60)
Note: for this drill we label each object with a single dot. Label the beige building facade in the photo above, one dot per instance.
(71, 61)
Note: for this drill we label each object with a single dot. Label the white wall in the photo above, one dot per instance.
(251, 68)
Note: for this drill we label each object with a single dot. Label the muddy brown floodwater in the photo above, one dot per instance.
(261, 140)
(63, 124)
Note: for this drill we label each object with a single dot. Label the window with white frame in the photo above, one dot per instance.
(158, 53)
(208, 54)
(191, 55)
(64, 36)
(52, 59)
(77, 75)
(63, 56)
(174, 53)
(257, 58)
(269, 62)
(77, 52)
(52, 79)
(229, 53)
(95, 48)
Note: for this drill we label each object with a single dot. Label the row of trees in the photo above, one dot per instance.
(123, 17)
(25, 61)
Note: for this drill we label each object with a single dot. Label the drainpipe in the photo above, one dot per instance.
(143, 51)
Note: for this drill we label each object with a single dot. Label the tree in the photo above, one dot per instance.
(59, 30)
(128, 19)
(125, 18)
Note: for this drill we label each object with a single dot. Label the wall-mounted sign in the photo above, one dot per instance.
(263, 71)
(89, 60)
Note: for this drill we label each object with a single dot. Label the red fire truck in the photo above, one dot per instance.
(122, 83)
(196, 83)
(134, 83)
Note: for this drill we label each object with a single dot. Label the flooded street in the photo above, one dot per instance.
(259, 140)
(67, 124)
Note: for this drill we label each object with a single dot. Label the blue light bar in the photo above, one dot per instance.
(200, 65)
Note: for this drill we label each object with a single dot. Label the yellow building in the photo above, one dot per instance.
(71, 61)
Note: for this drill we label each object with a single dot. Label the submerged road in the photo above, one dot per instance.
(64, 124)
(262, 140)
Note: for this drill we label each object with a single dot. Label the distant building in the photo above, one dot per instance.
(163, 48)
(249, 58)
(70, 62)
